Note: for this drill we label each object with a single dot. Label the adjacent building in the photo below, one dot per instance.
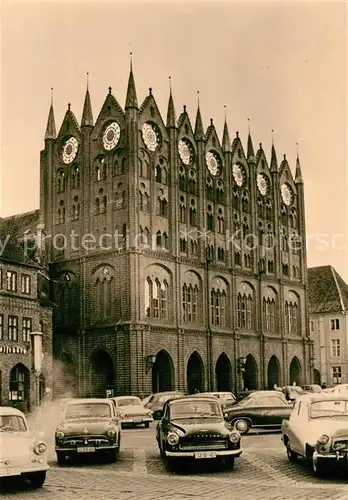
(179, 259)
(328, 315)
(25, 321)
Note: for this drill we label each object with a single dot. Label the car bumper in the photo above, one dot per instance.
(338, 456)
(192, 454)
(137, 420)
(23, 469)
(92, 449)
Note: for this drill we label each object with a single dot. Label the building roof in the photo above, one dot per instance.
(12, 230)
(327, 291)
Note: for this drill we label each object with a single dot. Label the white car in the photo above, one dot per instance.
(131, 411)
(23, 455)
(340, 389)
(317, 430)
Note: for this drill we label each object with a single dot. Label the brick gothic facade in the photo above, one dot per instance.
(196, 296)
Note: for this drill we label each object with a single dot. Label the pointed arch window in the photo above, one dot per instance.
(183, 245)
(292, 318)
(194, 247)
(182, 179)
(193, 213)
(221, 254)
(245, 311)
(221, 222)
(210, 219)
(144, 201)
(75, 178)
(189, 303)
(268, 314)
(182, 210)
(269, 209)
(75, 209)
(156, 299)
(236, 199)
(60, 181)
(245, 202)
(162, 207)
(61, 213)
(218, 307)
(210, 192)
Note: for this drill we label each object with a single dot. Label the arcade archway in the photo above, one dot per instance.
(250, 375)
(101, 373)
(195, 373)
(162, 372)
(295, 371)
(223, 372)
(273, 372)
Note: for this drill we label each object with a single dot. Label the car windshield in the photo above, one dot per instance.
(331, 408)
(12, 423)
(195, 409)
(129, 402)
(88, 410)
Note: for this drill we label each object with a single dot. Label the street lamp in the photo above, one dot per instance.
(208, 261)
(150, 360)
(37, 356)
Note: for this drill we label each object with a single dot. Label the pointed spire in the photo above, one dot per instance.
(199, 130)
(87, 116)
(274, 162)
(171, 111)
(226, 142)
(131, 98)
(51, 124)
(298, 172)
(250, 148)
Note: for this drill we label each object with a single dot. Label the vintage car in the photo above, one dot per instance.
(340, 389)
(194, 427)
(317, 430)
(261, 409)
(227, 399)
(131, 411)
(292, 392)
(157, 401)
(311, 388)
(22, 453)
(89, 426)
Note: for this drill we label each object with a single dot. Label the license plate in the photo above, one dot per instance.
(205, 454)
(9, 472)
(86, 449)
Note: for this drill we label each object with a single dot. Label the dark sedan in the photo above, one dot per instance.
(261, 409)
(89, 426)
(194, 427)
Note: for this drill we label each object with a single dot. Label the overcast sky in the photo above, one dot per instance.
(283, 65)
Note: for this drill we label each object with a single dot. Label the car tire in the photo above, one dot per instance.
(243, 424)
(61, 458)
(147, 425)
(319, 468)
(292, 456)
(37, 479)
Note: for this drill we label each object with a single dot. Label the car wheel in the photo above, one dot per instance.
(319, 467)
(37, 479)
(242, 425)
(292, 456)
(147, 425)
(61, 458)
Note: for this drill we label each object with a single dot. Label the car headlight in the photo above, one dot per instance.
(324, 439)
(59, 434)
(172, 438)
(110, 433)
(234, 437)
(40, 448)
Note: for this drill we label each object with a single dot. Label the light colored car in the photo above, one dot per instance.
(340, 389)
(317, 430)
(23, 454)
(131, 411)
